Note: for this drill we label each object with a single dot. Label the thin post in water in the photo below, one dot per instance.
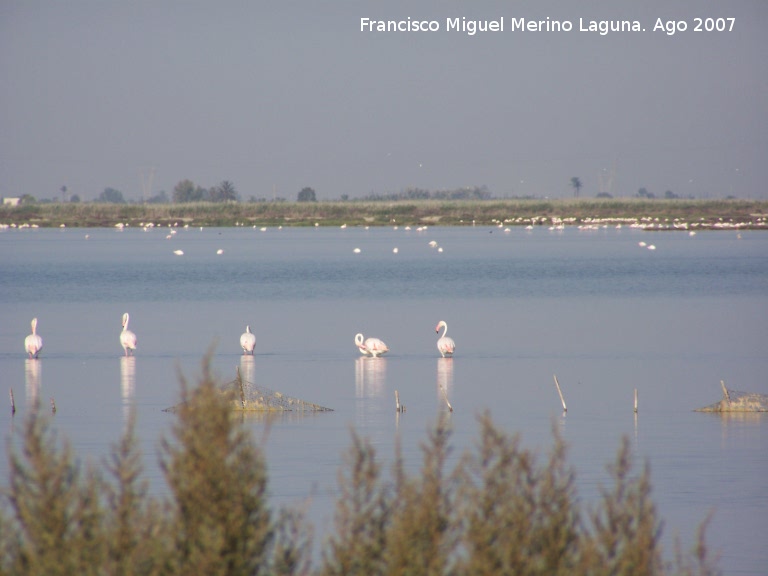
(725, 392)
(398, 407)
(560, 392)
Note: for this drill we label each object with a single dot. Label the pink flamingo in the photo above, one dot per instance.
(371, 346)
(127, 338)
(33, 343)
(445, 345)
(247, 341)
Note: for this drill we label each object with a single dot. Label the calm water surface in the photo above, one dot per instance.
(604, 314)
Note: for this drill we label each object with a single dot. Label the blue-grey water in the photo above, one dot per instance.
(604, 314)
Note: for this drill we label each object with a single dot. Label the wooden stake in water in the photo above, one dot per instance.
(635, 400)
(725, 392)
(399, 407)
(560, 392)
(13, 403)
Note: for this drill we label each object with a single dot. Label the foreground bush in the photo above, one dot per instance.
(499, 511)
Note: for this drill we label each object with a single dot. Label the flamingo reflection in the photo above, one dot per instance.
(248, 369)
(127, 384)
(32, 375)
(444, 378)
(370, 375)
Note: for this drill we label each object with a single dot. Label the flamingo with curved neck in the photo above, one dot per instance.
(127, 338)
(445, 344)
(370, 346)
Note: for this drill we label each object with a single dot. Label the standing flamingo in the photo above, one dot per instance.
(127, 338)
(371, 347)
(247, 341)
(445, 344)
(33, 343)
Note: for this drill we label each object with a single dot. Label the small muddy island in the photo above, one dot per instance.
(734, 401)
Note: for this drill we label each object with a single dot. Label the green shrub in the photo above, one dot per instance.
(497, 511)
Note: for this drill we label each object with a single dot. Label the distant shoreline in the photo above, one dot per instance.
(658, 214)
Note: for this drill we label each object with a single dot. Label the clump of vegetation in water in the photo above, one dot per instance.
(501, 509)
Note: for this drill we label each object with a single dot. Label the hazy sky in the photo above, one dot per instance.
(278, 95)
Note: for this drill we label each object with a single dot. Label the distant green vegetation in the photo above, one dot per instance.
(746, 213)
(501, 509)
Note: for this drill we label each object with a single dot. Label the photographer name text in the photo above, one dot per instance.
(603, 27)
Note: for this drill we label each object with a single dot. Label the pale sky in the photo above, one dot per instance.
(278, 95)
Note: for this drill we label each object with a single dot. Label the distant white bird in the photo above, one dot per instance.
(395, 250)
(371, 346)
(179, 252)
(127, 338)
(247, 341)
(445, 345)
(356, 250)
(220, 251)
(33, 343)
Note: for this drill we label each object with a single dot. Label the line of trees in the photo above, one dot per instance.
(641, 193)
(500, 510)
(188, 191)
(464, 193)
(668, 195)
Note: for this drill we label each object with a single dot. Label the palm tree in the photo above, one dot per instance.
(576, 183)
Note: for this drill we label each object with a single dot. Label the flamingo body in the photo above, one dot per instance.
(445, 345)
(247, 341)
(33, 343)
(127, 338)
(371, 346)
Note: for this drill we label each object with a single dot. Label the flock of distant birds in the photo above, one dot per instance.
(373, 347)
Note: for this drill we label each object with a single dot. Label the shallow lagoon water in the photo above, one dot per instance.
(592, 306)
